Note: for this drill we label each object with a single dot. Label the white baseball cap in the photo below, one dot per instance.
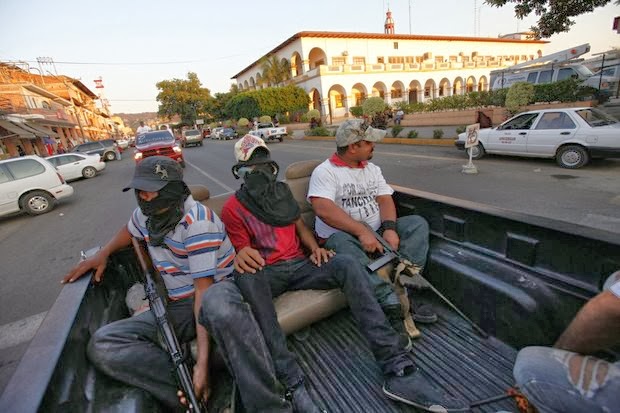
(245, 147)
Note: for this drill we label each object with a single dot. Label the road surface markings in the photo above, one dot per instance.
(211, 177)
(20, 331)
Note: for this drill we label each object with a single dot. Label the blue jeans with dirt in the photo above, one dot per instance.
(413, 233)
(342, 272)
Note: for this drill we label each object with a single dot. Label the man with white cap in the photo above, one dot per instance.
(264, 224)
(351, 198)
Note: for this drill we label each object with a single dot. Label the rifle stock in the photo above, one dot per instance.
(158, 308)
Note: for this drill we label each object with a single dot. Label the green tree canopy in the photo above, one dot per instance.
(554, 15)
(184, 97)
(275, 70)
(268, 101)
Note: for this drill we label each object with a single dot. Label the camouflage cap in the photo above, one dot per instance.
(355, 130)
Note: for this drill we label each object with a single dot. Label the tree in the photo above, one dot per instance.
(186, 98)
(275, 71)
(520, 94)
(555, 15)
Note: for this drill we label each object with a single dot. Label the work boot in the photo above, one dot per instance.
(423, 313)
(411, 387)
(394, 315)
(301, 401)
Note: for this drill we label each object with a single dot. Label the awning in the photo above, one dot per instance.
(38, 131)
(16, 130)
(53, 122)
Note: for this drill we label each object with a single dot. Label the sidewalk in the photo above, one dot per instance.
(424, 133)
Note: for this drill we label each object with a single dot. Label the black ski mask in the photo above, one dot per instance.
(165, 211)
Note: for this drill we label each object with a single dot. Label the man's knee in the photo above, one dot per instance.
(98, 350)
(219, 303)
(530, 362)
(412, 224)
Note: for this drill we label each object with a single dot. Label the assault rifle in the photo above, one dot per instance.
(158, 308)
(414, 278)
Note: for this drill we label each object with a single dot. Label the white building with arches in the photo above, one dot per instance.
(339, 70)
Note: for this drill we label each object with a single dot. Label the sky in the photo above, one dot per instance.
(133, 44)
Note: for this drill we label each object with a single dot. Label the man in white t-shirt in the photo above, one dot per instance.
(142, 128)
(347, 192)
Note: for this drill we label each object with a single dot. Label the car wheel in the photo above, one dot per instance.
(477, 151)
(37, 202)
(572, 157)
(89, 172)
(110, 156)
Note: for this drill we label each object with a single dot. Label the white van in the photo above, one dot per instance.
(30, 184)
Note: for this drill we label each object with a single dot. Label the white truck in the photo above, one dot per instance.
(269, 132)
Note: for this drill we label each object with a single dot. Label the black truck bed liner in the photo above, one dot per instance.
(344, 375)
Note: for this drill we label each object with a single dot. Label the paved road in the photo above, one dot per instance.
(37, 251)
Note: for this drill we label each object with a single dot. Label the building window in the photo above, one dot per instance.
(396, 59)
(409, 59)
(359, 60)
(338, 61)
(338, 100)
(395, 45)
(380, 59)
(397, 93)
(359, 99)
(427, 92)
(45, 105)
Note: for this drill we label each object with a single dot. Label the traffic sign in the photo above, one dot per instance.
(472, 135)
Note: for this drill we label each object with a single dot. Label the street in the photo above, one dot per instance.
(38, 251)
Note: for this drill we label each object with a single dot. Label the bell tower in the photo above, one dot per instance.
(389, 23)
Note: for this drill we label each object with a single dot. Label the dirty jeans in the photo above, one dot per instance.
(413, 233)
(129, 350)
(342, 272)
(542, 373)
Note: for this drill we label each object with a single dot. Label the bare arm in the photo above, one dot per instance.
(595, 326)
(387, 210)
(201, 369)
(98, 261)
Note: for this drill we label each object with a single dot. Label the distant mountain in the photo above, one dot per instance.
(133, 119)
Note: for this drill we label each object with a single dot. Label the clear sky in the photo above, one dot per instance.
(133, 44)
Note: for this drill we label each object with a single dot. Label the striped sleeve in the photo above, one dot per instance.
(202, 243)
(137, 224)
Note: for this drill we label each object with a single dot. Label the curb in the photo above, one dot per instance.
(393, 141)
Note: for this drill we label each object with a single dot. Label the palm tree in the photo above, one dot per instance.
(275, 71)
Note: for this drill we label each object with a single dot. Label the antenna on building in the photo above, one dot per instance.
(409, 16)
(47, 60)
(389, 22)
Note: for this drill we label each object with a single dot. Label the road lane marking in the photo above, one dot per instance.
(20, 331)
(211, 177)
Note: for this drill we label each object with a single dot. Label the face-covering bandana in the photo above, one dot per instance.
(164, 212)
(270, 201)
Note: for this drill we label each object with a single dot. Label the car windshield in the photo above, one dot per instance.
(228, 130)
(192, 133)
(153, 137)
(595, 117)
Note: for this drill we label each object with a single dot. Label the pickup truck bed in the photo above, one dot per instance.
(521, 278)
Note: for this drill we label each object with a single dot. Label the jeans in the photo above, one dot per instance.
(342, 272)
(413, 233)
(130, 351)
(560, 381)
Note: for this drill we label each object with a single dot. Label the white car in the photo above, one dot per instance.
(30, 184)
(77, 165)
(572, 136)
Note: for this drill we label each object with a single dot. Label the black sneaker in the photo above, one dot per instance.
(394, 315)
(423, 313)
(414, 389)
(301, 401)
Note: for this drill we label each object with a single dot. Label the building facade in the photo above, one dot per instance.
(340, 70)
(42, 114)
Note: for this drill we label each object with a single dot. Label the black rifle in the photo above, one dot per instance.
(172, 343)
(389, 255)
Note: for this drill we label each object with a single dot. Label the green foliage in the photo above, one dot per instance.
(318, 131)
(413, 134)
(253, 103)
(553, 16)
(568, 90)
(265, 119)
(243, 106)
(184, 97)
(243, 122)
(396, 129)
(313, 113)
(356, 111)
(374, 105)
(520, 94)
(461, 129)
(274, 70)
(437, 133)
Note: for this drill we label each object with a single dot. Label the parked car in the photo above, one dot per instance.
(77, 165)
(30, 184)
(123, 143)
(268, 132)
(206, 133)
(215, 132)
(228, 133)
(106, 148)
(571, 136)
(191, 137)
(160, 142)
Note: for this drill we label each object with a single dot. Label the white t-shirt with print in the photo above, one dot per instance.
(355, 190)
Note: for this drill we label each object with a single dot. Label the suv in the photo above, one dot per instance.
(160, 143)
(191, 137)
(107, 149)
(30, 184)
